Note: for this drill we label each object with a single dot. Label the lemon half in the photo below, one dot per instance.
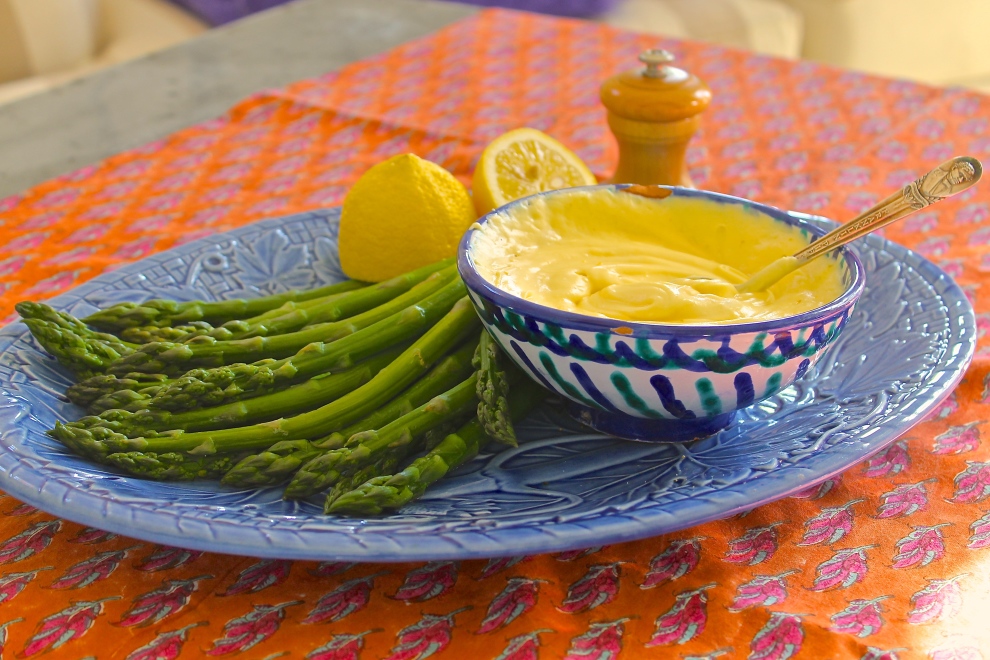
(523, 162)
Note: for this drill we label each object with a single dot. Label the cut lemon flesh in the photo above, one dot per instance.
(523, 162)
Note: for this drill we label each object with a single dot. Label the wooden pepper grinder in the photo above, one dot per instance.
(653, 113)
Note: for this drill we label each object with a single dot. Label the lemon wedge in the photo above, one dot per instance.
(401, 214)
(523, 162)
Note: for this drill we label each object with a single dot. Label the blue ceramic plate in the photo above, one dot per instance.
(905, 347)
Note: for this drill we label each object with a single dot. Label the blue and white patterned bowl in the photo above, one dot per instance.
(653, 381)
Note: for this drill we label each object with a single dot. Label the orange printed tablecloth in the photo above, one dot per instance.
(890, 561)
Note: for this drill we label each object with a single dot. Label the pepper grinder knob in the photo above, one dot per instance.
(653, 113)
(654, 59)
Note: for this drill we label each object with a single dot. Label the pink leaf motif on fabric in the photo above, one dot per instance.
(31, 541)
(518, 597)
(351, 596)
(780, 639)
(685, 620)
(940, 599)
(98, 567)
(26, 242)
(266, 573)
(680, 558)
(429, 581)
(958, 439)
(757, 545)
(873, 653)
(12, 584)
(22, 510)
(762, 590)
(571, 555)
(950, 404)
(523, 647)
(72, 622)
(341, 647)
(818, 491)
(711, 655)
(428, 636)
(92, 536)
(246, 631)
(921, 547)
(957, 653)
(862, 618)
(893, 460)
(165, 646)
(3, 632)
(830, 525)
(11, 265)
(844, 569)
(973, 483)
(499, 564)
(980, 533)
(904, 500)
(165, 558)
(953, 267)
(603, 641)
(330, 568)
(599, 586)
(153, 606)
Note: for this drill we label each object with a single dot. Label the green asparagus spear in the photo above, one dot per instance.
(271, 466)
(75, 346)
(204, 388)
(367, 447)
(107, 391)
(171, 312)
(211, 387)
(146, 334)
(458, 324)
(336, 307)
(91, 443)
(385, 465)
(130, 400)
(239, 327)
(387, 493)
(311, 394)
(493, 388)
(87, 391)
(205, 352)
(393, 459)
(172, 466)
(229, 331)
(281, 460)
(232, 330)
(62, 320)
(435, 436)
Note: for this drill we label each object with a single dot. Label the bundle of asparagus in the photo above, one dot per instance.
(368, 392)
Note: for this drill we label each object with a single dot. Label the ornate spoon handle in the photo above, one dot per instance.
(949, 178)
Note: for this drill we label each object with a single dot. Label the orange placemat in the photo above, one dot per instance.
(888, 562)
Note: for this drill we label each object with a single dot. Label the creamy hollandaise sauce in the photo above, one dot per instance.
(618, 255)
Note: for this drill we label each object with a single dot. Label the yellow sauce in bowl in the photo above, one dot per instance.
(612, 254)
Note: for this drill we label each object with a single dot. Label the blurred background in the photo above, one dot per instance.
(47, 42)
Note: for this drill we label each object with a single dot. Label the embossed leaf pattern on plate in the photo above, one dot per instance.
(272, 262)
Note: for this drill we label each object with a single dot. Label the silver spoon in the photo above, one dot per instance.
(948, 179)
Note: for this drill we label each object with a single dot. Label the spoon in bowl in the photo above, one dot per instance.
(948, 179)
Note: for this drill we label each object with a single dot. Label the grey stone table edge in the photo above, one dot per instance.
(131, 104)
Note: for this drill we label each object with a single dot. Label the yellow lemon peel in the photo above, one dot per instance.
(401, 214)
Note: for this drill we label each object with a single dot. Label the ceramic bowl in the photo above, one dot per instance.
(654, 381)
